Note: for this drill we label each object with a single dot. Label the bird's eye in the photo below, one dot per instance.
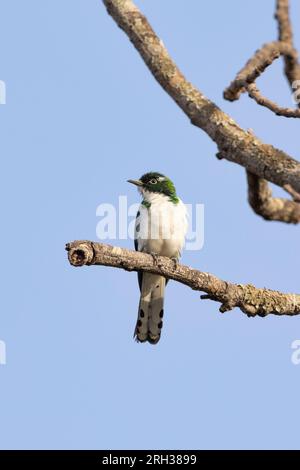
(153, 181)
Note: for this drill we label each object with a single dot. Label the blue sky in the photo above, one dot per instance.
(83, 114)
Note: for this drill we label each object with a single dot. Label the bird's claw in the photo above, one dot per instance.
(155, 258)
(175, 261)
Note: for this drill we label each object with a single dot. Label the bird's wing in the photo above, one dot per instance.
(136, 246)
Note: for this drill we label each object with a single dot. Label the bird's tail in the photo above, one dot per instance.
(151, 309)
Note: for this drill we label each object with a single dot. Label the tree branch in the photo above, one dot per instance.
(285, 33)
(294, 194)
(255, 66)
(249, 299)
(271, 208)
(245, 79)
(259, 194)
(234, 143)
(254, 93)
(263, 58)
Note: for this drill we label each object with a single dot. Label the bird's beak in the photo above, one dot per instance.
(136, 182)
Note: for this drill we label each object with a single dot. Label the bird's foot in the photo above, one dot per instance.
(175, 261)
(155, 257)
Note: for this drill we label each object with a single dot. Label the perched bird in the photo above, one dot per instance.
(160, 229)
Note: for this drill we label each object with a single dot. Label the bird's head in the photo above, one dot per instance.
(154, 182)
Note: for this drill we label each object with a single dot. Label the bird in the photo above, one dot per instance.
(160, 229)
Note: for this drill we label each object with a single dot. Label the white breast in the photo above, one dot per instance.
(162, 227)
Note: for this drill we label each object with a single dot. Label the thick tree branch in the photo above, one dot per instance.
(249, 299)
(271, 208)
(234, 143)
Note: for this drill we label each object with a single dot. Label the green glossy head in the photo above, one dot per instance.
(156, 183)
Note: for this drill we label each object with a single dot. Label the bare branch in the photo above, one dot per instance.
(234, 143)
(259, 193)
(294, 194)
(270, 208)
(245, 79)
(249, 299)
(284, 23)
(256, 66)
(254, 93)
(263, 58)
(292, 66)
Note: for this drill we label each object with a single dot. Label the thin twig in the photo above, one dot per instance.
(263, 58)
(285, 34)
(259, 193)
(292, 192)
(255, 66)
(254, 93)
